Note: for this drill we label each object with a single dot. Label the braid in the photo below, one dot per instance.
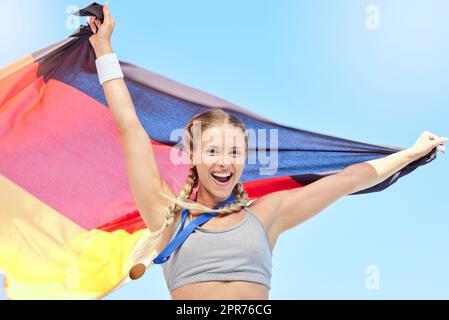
(185, 193)
(139, 269)
(241, 200)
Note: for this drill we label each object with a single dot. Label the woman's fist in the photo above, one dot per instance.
(426, 142)
(101, 39)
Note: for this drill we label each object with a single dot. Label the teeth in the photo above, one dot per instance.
(223, 175)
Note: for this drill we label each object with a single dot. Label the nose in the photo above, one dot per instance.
(224, 159)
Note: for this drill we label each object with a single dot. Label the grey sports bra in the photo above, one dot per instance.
(239, 252)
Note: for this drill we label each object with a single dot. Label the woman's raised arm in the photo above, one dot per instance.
(141, 166)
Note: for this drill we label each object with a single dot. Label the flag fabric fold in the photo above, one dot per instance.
(69, 227)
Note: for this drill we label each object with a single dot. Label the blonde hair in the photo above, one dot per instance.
(208, 119)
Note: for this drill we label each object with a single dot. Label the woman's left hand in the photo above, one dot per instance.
(426, 142)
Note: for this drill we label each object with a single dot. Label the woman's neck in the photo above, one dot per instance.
(206, 199)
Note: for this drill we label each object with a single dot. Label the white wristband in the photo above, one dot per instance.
(108, 67)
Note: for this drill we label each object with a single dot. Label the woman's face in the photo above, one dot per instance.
(220, 159)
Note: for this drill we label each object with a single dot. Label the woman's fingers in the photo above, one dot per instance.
(434, 139)
(433, 136)
(92, 25)
(107, 13)
(440, 145)
(108, 22)
(97, 23)
(442, 140)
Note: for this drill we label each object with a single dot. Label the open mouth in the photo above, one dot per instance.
(222, 178)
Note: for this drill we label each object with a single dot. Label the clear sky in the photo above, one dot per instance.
(372, 71)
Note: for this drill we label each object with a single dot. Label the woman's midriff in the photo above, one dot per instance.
(221, 290)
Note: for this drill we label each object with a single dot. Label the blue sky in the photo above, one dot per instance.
(326, 66)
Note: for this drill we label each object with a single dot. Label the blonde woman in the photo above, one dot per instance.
(229, 256)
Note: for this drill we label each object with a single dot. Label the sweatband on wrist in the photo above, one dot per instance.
(108, 67)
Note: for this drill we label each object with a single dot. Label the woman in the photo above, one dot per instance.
(230, 255)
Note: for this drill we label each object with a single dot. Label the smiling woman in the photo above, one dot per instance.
(101, 153)
(217, 146)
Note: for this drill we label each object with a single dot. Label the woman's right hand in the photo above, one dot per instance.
(101, 39)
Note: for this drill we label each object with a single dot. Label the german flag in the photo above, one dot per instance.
(69, 227)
